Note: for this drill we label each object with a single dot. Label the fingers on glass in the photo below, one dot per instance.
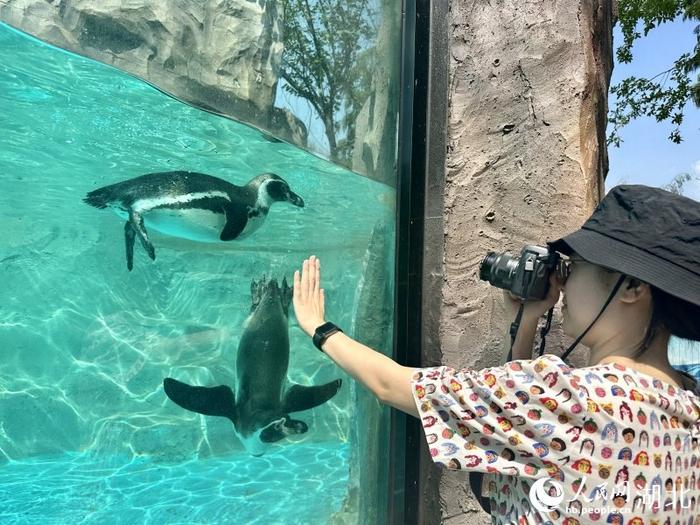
(317, 277)
(297, 284)
(308, 281)
(305, 279)
(312, 274)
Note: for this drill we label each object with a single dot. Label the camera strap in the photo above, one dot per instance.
(514, 329)
(545, 330)
(515, 325)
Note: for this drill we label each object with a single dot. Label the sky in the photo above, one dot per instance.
(647, 156)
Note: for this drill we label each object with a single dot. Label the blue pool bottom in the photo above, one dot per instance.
(300, 484)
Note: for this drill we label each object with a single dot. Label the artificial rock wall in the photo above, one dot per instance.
(525, 162)
(225, 56)
(222, 55)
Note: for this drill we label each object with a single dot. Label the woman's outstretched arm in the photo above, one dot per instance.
(385, 378)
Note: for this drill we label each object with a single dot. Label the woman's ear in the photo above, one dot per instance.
(634, 291)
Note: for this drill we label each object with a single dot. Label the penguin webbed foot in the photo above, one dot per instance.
(146, 243)
(257, 290)
(287, 427)
(150, 250)
(137, 226)
(287, 294)
(129, 238)
(295, 426)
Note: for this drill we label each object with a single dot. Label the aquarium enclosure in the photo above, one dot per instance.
(164, 169)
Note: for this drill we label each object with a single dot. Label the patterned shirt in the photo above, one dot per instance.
(602, 444)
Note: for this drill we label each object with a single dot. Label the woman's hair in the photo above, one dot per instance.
(681, 318)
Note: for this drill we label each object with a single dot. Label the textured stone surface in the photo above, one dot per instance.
(374, 151)
(222, 55)
(366, 501)
(525, 161)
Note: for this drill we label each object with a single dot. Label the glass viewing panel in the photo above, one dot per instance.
(148, 351)
(320, 74)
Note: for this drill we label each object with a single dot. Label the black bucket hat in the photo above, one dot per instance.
(643, 232)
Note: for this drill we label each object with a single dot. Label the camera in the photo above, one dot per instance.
(526, 276)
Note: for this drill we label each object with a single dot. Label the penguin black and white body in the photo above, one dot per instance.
(191, 205)
(260, 401)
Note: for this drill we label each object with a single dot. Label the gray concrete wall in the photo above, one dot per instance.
(524, 161)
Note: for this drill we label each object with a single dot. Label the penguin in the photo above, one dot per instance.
(191, 206)
(261, 399)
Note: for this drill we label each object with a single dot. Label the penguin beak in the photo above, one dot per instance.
(295, 199)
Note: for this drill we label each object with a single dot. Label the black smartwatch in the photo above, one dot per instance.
(323, 332)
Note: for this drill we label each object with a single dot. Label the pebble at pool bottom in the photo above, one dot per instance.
(301, 484)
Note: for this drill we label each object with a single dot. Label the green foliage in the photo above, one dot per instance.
(665, 95)
(679, 181)
(327, 61)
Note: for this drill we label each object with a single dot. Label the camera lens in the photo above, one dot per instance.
(486, 265)
(499, 269)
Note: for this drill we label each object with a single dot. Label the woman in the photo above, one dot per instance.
(632, 280)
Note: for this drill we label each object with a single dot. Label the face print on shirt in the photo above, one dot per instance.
(582, 465)
(597, 425)
(628, 435)
(609, 432)
(642, 459)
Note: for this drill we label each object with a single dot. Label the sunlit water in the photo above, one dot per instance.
(87, 434)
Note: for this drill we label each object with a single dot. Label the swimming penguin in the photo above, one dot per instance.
(191, 205)
(260, 406)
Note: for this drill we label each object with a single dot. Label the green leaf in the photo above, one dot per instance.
(664, 96)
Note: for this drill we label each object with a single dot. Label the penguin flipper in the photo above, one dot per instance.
(139, 227)
(299, 398)
(129, 238)
(287, 427)
(210, 401)
(236, 219)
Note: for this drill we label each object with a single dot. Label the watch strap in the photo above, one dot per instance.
(323, 332)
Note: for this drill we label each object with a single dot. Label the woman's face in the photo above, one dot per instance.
(585, 291)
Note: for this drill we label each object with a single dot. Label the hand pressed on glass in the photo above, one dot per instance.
(308, 296)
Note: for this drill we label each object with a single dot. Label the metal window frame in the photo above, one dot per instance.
(413, 479)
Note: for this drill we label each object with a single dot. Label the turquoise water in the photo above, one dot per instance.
(86, 433)
(232, 489)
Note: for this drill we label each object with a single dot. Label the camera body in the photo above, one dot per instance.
(526, 276)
